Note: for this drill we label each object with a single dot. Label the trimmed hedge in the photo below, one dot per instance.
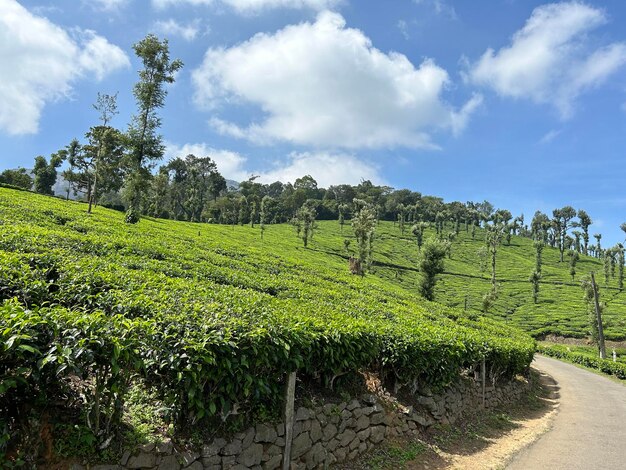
(606, 366)
(211, 316)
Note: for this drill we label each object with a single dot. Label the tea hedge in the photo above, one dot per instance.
(210, 316)
(607, 366)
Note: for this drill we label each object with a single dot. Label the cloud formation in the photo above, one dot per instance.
(254, 6)
(551, 59)
(41, 61)
(171, 27)
(327, 168)
(229, 164)
(325, 85)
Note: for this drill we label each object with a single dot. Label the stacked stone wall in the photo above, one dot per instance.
(326, 434)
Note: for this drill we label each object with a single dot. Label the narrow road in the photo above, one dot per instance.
(589, 430)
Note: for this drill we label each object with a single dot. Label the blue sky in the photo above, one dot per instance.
(522, 103)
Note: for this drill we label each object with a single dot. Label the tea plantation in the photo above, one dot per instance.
(210, 318)
(561, 309)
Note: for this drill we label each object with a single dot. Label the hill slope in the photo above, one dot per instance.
(213, 316)
(561, 309)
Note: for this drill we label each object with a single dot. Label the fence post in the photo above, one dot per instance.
(290, 395)
(483, 373)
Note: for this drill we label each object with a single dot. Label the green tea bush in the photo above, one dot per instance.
(211, 317)
(606, 366)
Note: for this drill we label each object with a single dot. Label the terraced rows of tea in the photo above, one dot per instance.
(560, 310)
(214, 316)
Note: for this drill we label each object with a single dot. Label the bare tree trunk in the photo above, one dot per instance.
(598, 318)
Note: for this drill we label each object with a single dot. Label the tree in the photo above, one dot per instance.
(598, 237)
(431, 264)
(535, 276)
(364, 224)
(145, 145)
(106, 105)
(584, 221)
(46, 172)
(620, 266)
(607, 267)
(191, 185)
(539, 226)
(95, 166)
(266, 212)
(574, 256)
(594, 309)
(562, 219)
(18, 178)
(623, 227)
(305, 223)
(538, 255)
(418, 231)
(534, 279)
(343, 210)
(493, 238)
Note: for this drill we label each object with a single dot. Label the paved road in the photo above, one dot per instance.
(589, 430)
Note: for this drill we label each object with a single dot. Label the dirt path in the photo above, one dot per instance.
(525, 427)
(588, 432)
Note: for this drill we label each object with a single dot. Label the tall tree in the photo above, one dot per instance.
(364, 224)
(431, 264)
(95, 166)
(594, 309)
(418, 231)
(145, 145)
(598, 237)
(305, 223)
(19, 178)
(574, 256)
(106, 105)
(46, 172)
(493, 239)
(343, 211)
(584, 221)
(562, 219)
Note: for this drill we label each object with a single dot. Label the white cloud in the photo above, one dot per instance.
(551, 60)
(326, 168)
(229, 164)
(41, 61)
(404, 29)
(440, 7)
(325, 85)
(108, 5)
(549, 136)
(188, 32)
(254, 6)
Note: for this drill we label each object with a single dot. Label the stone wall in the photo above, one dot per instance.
(326, 434)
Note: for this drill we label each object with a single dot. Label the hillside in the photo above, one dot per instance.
(560, 310)
(210, 317)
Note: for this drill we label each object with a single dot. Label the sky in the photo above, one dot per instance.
(519, 102)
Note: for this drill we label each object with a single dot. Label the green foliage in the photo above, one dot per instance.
(46, 172)
(606, 366)
(18, 178)
(208, 317)
(145, 145)
(364, 225)
(431, 264)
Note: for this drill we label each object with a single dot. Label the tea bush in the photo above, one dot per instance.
(212, 317)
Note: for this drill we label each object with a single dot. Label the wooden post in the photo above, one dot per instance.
(598, 318)
(290, 395)
(483, 377)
